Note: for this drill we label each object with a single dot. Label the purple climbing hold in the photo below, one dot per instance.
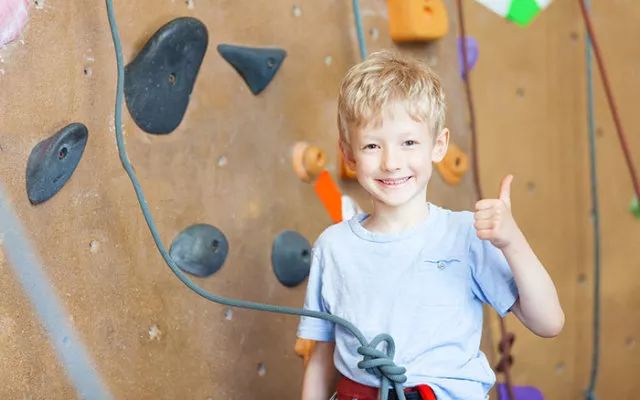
(520, 392)
(472, 53)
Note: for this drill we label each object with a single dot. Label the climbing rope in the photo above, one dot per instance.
(359, 31)
(609, 94)
(506, 338)
(374, 361)
(595, 213)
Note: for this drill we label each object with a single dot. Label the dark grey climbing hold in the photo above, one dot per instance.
(257, 66)
(159, 81)
(52, 162)
(200, 250)
(291, 258)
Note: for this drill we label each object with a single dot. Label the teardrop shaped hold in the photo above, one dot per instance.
(159, 81)
(52, 162)
(257, 66)
(291, 258)
(200, 250)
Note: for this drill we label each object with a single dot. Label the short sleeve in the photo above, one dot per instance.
(493, 281)
(315, 328)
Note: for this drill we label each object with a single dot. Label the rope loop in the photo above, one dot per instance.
(380, 363)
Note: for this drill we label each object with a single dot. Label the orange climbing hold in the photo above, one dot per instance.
(308, 161)
(345, 171)
(329, 194)
(417, 20)
(304, 348)
(454, 165)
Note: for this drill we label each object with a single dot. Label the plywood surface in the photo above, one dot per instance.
(228, 164)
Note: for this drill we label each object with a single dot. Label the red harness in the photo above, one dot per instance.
(351, 390)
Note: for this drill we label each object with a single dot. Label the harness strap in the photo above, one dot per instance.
(351, 390)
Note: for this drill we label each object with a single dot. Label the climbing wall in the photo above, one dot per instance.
(530, 92)
(227, 164)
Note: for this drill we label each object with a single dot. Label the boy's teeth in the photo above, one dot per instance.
(394, 181)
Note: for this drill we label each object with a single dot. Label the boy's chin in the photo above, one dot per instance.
(390, 202)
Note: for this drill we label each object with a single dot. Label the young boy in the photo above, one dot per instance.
(410, 268)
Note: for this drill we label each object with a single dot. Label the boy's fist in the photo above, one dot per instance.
(493, 219)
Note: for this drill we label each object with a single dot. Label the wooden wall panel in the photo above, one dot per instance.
(530, 89)
(227, 164)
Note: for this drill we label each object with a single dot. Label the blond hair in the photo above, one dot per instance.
(383, 77)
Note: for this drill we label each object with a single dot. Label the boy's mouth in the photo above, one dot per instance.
(394, 182)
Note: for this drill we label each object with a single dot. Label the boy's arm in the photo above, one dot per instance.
(538, 306)
(320, 374)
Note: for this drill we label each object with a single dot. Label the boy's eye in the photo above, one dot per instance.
(370, 146)
(410, 143)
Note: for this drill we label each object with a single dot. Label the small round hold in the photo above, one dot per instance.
(291, 258)
(308, 161)
(313, 160)
(454, 165)
(200, 250)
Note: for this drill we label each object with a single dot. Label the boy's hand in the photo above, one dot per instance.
(493, 219)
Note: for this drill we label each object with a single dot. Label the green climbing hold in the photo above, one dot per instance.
(635, 207)
(521, 12)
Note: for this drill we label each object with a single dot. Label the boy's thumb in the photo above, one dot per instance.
(505, 190)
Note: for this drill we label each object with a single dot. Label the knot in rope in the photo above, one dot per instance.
(381, 364)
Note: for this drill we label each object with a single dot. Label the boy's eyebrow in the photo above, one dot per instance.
(401, 135)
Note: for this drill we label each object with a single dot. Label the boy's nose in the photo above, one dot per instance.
(391, 160)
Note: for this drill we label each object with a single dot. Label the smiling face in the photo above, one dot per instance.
(393, 159)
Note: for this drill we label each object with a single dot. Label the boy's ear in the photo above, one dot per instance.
(347, 155)
(440, 146)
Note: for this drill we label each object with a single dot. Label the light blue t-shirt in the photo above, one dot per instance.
(425, 287)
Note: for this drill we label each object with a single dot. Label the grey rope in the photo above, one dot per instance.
(375, 361)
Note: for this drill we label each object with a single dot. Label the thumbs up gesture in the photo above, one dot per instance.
(493, 219)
